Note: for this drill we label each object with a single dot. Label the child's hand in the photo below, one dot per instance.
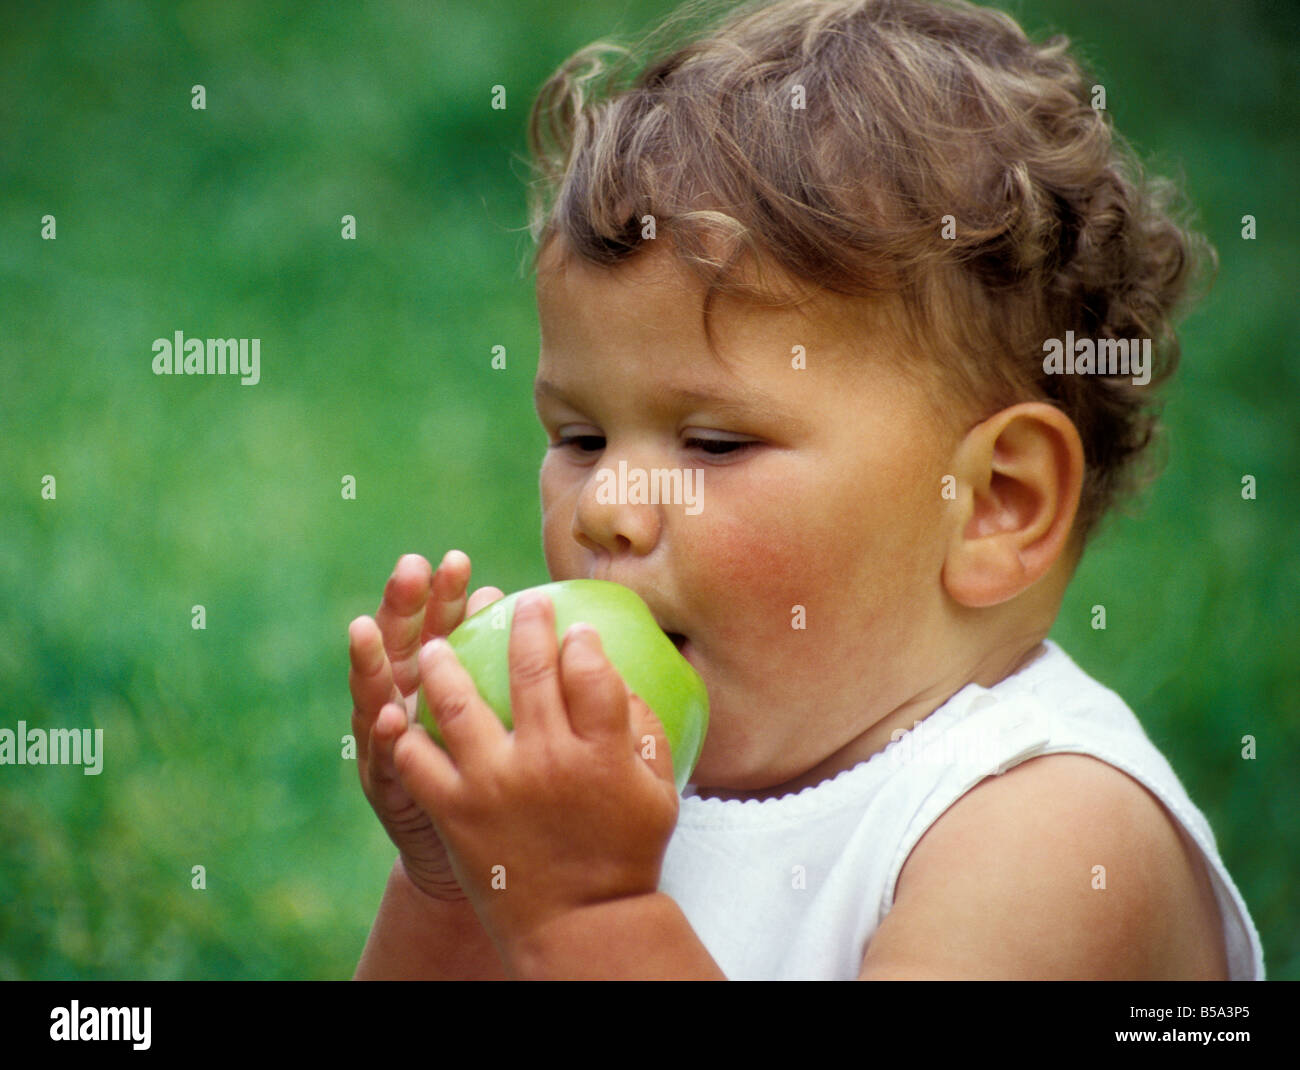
(418, 605)
(564, 812)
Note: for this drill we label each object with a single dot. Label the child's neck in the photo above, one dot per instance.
(993, 669)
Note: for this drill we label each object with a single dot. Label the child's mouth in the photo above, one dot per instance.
(678, 639)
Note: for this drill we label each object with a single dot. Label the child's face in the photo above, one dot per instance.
(807, 582)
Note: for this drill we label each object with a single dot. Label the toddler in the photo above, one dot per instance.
(883, 277)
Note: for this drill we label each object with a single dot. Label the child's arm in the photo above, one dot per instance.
(642, 938)
(1006, 885)
(416, 937)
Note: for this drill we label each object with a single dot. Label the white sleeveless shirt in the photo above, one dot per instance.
(794, 888)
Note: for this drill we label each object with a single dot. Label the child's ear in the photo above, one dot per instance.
(1019, 476)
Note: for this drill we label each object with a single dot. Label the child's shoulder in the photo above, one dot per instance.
(1062, 867)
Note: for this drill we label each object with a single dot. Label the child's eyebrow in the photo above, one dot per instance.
(735, 404)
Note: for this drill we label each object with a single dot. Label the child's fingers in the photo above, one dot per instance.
(408, 826)
(468, 726)
(650, 738)
(536, 701)
(482, 598)
(386, 790)
(594, 694)
(425, 772)
(401, 617)
(446, 602)
(370, 677)
(469, 729)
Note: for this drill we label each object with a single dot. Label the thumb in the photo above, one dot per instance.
(650, 740)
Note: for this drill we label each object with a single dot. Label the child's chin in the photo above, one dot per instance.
(718, 773)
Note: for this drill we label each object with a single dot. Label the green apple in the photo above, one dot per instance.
(633, 642)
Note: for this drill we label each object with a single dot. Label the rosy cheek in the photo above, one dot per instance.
(749, 577)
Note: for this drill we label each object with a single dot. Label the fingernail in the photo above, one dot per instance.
(435, 648)
(530, 605)
(587, 638)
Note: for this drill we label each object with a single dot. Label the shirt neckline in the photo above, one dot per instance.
(844, 786)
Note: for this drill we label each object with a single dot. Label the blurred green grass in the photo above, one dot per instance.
(223, 745)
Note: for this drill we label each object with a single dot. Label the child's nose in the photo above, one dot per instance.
(615, 512)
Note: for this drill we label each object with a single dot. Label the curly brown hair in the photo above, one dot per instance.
(926, 149)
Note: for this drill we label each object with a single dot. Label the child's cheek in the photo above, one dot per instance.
(799, 597)
(559, 496)
(749, 578)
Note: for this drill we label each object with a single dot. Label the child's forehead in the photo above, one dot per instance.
(655, 289)
(561, 270)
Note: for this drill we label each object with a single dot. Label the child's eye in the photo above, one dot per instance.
(582, 443)
(713, 447)
(718, 447)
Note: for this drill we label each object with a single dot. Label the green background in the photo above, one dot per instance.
(223, 745)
